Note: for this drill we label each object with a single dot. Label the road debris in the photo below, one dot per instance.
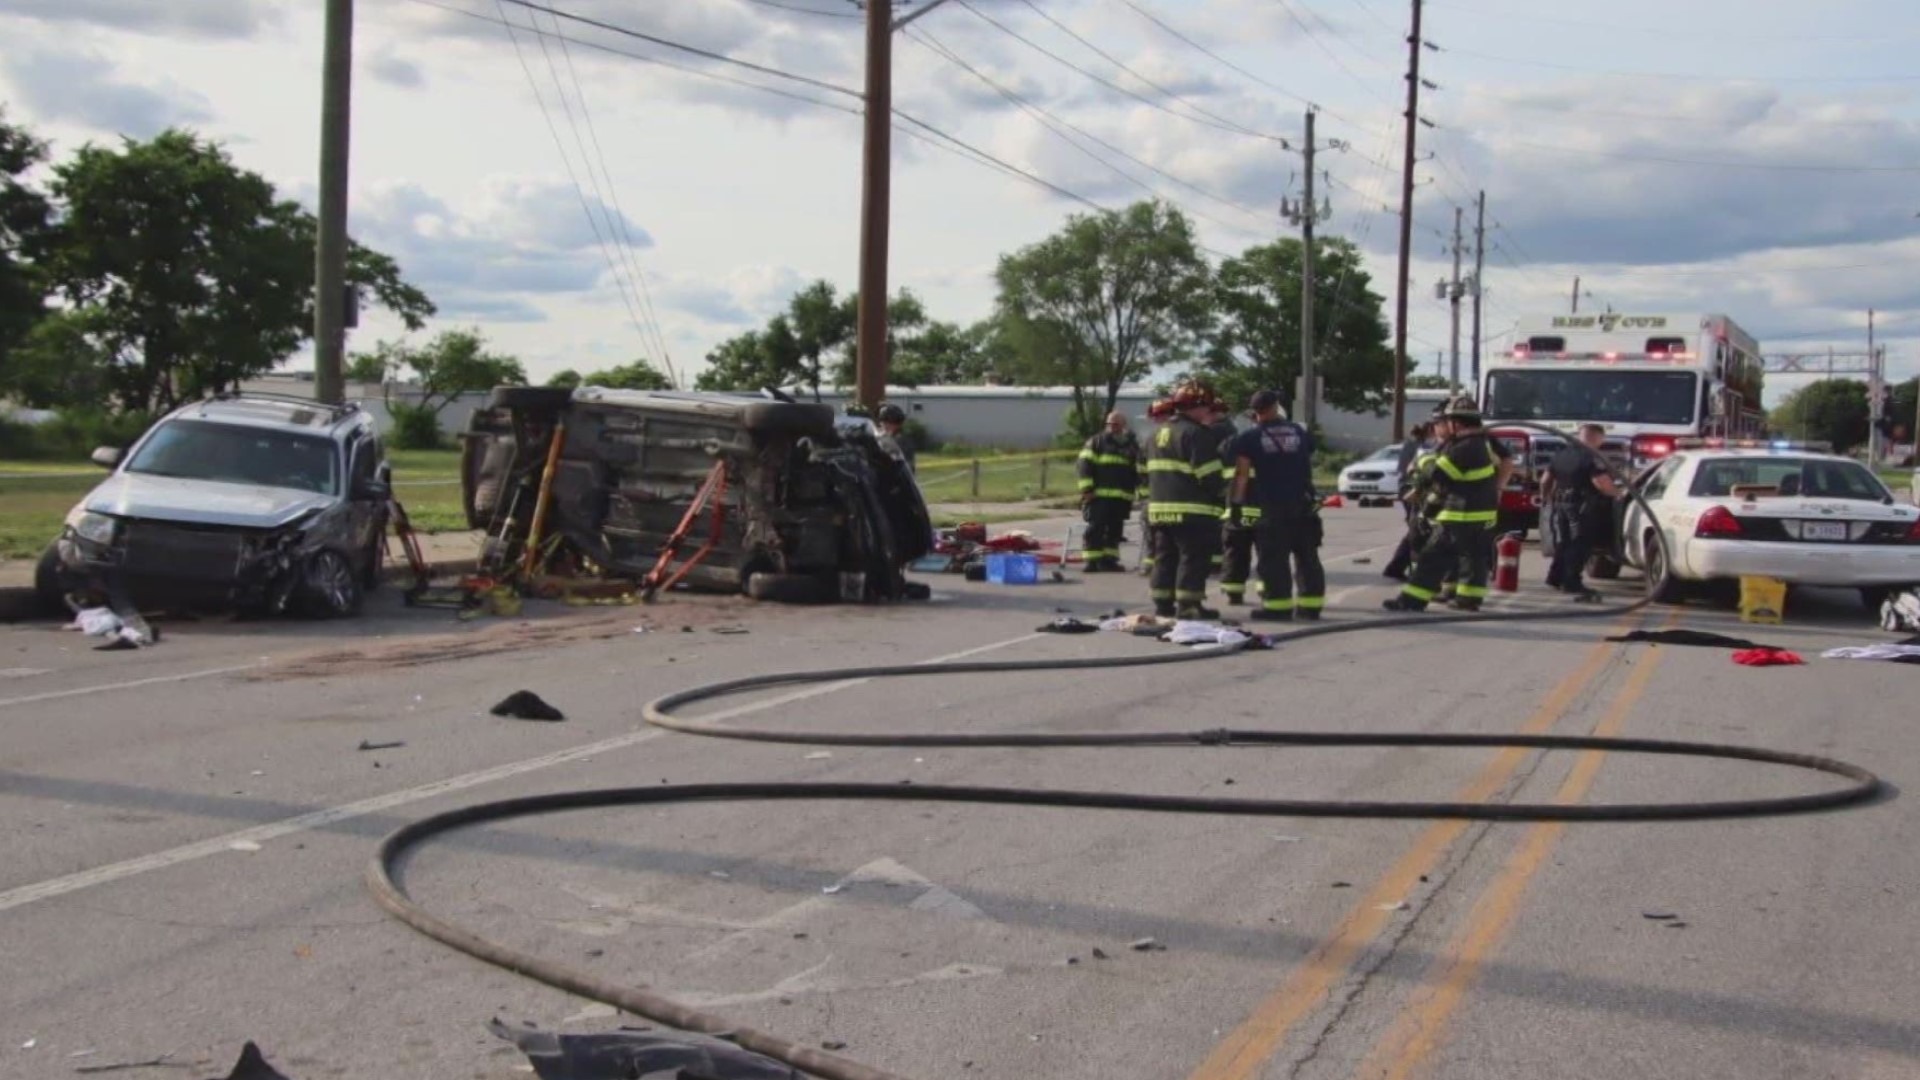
(621, 1055)
(526, 705)
(1147, 944)
(1658, 915)
(395, 745)
(819, 755)
(253, 1066)
(164, 1061)
(832, 1044)
(1101, 954)
(243, 845)
(1343, 884)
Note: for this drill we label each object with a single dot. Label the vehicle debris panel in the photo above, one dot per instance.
(809, 507)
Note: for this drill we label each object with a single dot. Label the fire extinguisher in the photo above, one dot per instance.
(1506, 564)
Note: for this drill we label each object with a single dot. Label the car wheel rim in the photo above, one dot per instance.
(332, 579)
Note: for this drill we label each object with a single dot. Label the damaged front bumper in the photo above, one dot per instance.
(162, 562)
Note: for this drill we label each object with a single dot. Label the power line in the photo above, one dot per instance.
(927, 40)
(635, 270)
(1764, 166)
(1717, 33)
(1688, 75)
(1230, 65)
(796, 8)
(681, 47)
(573, 177)
(642, 58)
(1237, 129)
(1116, 62)
(1363, 84)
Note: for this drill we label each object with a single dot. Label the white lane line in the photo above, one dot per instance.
(320, 819)
(157, 680)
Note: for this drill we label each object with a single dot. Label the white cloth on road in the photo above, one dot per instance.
(1873, 652)
(1203, 633)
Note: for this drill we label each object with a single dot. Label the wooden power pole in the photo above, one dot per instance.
(1406, 230)
(330, 246)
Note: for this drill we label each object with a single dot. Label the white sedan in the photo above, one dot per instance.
(1374, 478)
(1732, 509)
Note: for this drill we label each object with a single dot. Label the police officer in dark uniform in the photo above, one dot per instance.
(1109, 476)
(1579, 495)
(1186, 481)
(1466, 476)
(1273, 474)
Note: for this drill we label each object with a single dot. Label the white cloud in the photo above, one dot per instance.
(388, 66)
(185, 18)
(81, 87)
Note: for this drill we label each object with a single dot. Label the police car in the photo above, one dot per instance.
(1730, 508)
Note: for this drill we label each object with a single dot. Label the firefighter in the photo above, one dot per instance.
(893, 421)
(1220, 419)
(1416, 459)
(1109, 471)
(1273, 477)
(1466, 477)
(1186, 479)
(1160, 413)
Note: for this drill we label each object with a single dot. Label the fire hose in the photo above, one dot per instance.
(1861, 787)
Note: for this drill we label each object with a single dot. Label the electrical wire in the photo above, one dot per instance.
(1686, 75)
(1229, 126)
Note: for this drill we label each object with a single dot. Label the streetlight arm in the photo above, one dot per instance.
(902, 21)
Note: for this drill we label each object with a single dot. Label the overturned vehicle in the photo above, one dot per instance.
(778, 499)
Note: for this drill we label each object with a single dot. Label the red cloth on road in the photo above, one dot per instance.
(1766, 658)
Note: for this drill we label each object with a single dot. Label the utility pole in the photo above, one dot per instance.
(1406, 230)
(330, 246)
(1306, 214)
(1453, 301)
(1576, 294)
(1874, 392)
(876, 197)
(1479, 268)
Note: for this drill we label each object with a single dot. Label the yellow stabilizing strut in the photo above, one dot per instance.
(534, 554)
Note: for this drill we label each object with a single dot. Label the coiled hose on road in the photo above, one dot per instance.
(1862, 787)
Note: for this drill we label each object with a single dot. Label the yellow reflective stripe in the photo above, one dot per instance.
(1170, 465)
(1468, 517)
(1417, 593)
(1211, 468)
(1180, 510)
(1086, 483)
(1313, 601)
(1105, 459)
(1112, 493)
(1086, 455)
(1196, 597)
(1465, 476)
(1159, 594)
(1277, 605)
(1470, 591)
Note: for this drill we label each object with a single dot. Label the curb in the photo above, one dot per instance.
(19, 603)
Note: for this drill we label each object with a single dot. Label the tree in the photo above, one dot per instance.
(639, 375)
(192, 272)
(1830, 410)
(811, 344)
(455, 362)
(25, 219)
(1429, 382)
(1258, 347)
(1106, 300)
(564, 379)
(58, 365)
(943, 354)
(373, 367)
(755, 360)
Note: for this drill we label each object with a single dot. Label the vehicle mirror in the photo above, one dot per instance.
(373, 490)
(106, 456)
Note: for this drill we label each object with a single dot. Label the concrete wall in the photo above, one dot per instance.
(1363, 433)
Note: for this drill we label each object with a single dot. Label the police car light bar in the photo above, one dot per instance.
(1752, 444)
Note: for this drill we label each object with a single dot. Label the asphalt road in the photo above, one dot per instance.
(188, 826)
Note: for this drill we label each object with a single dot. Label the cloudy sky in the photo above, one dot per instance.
(586, 196)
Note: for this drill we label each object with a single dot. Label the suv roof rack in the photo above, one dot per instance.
(342, 409)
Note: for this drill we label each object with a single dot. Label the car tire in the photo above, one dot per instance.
(781, 418)
(530, 399)
(329, 586)
(790, 589)
(1662, 586)
(46, 582)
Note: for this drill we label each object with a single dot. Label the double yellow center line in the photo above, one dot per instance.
(1244, 1053)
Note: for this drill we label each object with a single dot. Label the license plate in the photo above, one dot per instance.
(1824, 530)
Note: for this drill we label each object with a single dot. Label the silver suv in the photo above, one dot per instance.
(246, 501)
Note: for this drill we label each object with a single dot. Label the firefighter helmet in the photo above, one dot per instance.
(1161, 410)
(891, 414)
(1462, 408)
(1194, 394)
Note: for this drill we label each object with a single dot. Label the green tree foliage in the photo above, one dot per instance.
(812, 344)
(1830, 410)
(59, 364)
(639, 375)
(369, 367)
(1428, 382)
(1104, 301)
(564, 379)
(191, 272)
(25, 220)
(1258, 343)
(455, 362)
